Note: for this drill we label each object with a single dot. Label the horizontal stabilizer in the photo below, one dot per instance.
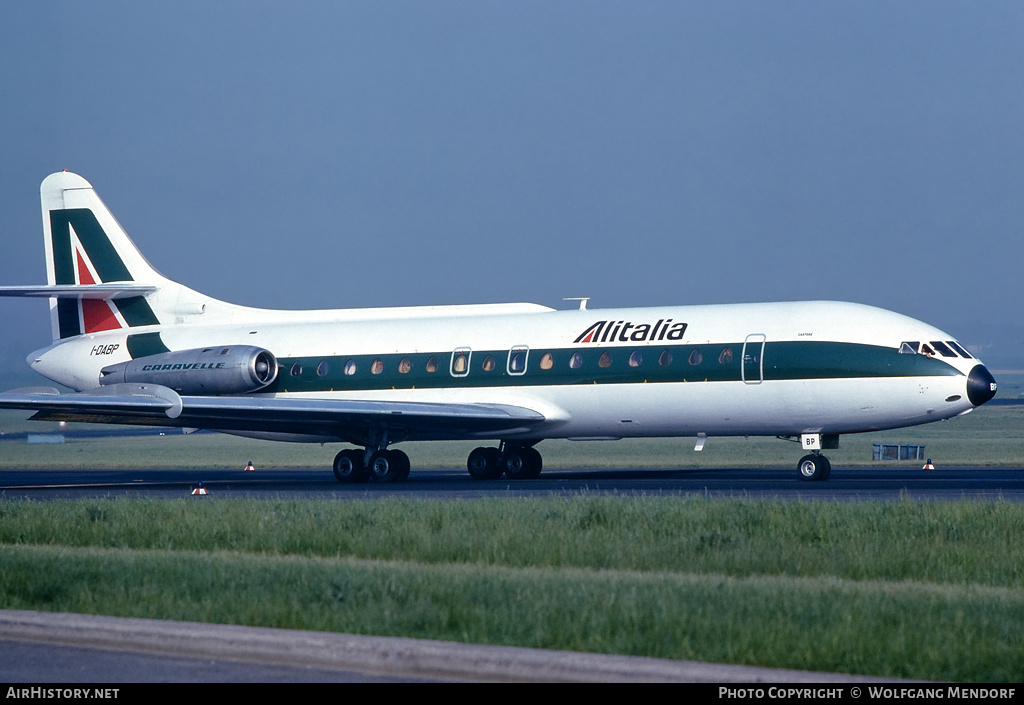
(103, 292)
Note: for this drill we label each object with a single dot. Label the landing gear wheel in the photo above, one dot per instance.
(535, 463)
(814, 468)
(523, 464)
(402, 460)
(483, 464)
(348, 466)
(389, 466)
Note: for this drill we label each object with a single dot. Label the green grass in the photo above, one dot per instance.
(987, 436)
(901, 589)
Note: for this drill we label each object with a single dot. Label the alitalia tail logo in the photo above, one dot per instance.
(83, 254)
(627, 331)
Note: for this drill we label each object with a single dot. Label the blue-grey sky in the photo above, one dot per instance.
(336, 154)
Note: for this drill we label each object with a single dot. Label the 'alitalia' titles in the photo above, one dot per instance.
(627, 331)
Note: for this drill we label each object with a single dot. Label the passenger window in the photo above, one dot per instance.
(488, 365)
(605, 360)
(377, 367)
(431, 366)
(666, 358)
(460, 362)
(404, 366)
(547, 361)
(576, 361)
(696, 357)
(350, 367)
(322, 369)
(296, 369)
(725, 357)
(636, 358)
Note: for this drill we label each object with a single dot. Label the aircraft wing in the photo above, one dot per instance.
(349, 420)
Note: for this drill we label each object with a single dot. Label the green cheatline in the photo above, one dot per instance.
(721, 362)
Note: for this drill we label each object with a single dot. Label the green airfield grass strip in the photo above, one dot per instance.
(898, 589)
(890, 629)
(942, 542)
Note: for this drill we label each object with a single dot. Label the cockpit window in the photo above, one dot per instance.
(943, 349)
(910, 348)
(959, 348)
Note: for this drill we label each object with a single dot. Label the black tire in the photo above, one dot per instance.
(403, 465)
(521, 463)
(483, 464)
(814, 468)
(387, 466)
(534, 464)
(348, 466)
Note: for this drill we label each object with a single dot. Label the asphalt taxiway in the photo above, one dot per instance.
(853, 483)
(42, 647)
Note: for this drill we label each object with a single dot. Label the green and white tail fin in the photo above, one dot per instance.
(97, 280)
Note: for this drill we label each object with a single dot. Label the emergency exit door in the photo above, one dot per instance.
(753, 358)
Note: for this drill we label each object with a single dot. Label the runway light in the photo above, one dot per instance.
(199, 490)
(928, 465)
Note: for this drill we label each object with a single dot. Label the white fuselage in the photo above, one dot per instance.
(792, 368)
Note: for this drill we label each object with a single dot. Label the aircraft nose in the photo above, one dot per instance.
(981, 385)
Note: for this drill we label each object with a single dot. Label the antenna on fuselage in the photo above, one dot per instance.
(582, 299)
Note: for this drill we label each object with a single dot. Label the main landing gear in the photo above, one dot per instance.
(383, 466)
(516, 462)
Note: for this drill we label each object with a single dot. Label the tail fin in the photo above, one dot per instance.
(85, 246)
(99, 281)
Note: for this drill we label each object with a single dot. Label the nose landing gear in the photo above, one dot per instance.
(814, 467)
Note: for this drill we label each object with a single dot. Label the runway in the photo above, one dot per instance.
(845, 484)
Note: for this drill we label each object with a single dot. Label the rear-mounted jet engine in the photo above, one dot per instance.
(230, 369)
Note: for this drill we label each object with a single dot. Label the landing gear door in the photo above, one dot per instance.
(753, 358)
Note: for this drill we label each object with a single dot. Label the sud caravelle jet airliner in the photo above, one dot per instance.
(141, 349)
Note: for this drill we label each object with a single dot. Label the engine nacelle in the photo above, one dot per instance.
(226, 369)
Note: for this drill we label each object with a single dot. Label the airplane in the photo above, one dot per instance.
(138, 348)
